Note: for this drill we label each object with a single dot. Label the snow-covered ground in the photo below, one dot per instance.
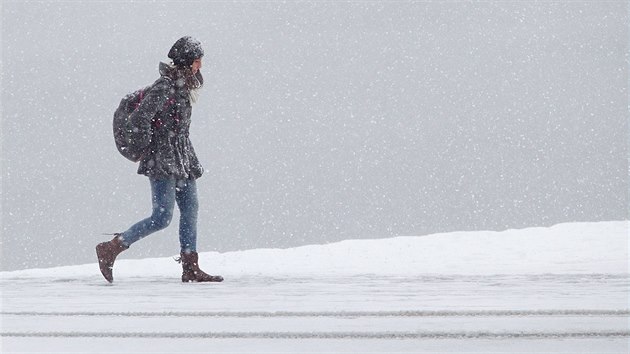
(560, 289)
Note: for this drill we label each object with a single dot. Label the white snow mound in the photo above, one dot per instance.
(570, 248)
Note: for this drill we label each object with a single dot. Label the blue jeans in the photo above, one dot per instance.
(165, 192)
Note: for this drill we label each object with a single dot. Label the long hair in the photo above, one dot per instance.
(184, 77)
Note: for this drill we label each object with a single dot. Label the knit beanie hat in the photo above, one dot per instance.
(185, 51)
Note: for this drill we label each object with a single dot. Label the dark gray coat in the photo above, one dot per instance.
(165, 112)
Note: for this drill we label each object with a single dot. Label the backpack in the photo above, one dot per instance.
(127, 136)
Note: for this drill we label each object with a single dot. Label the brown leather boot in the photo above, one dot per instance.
(191, 271)
(106, 253)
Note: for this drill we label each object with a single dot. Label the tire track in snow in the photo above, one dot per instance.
(327, 335)
(410, 313)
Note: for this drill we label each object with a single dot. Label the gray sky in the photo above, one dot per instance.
(319, 121)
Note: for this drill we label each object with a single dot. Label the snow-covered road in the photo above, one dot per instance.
(532, 313)
(580, 306)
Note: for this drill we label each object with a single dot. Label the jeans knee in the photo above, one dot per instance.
(190, 210)
(161, 219)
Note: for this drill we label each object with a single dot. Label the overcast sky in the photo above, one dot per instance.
(319, 121)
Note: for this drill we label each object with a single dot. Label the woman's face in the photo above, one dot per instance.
(196, 65)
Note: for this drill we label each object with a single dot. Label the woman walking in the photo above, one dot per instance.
(170, 162)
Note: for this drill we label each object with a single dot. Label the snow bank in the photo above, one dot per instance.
(573, 248)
